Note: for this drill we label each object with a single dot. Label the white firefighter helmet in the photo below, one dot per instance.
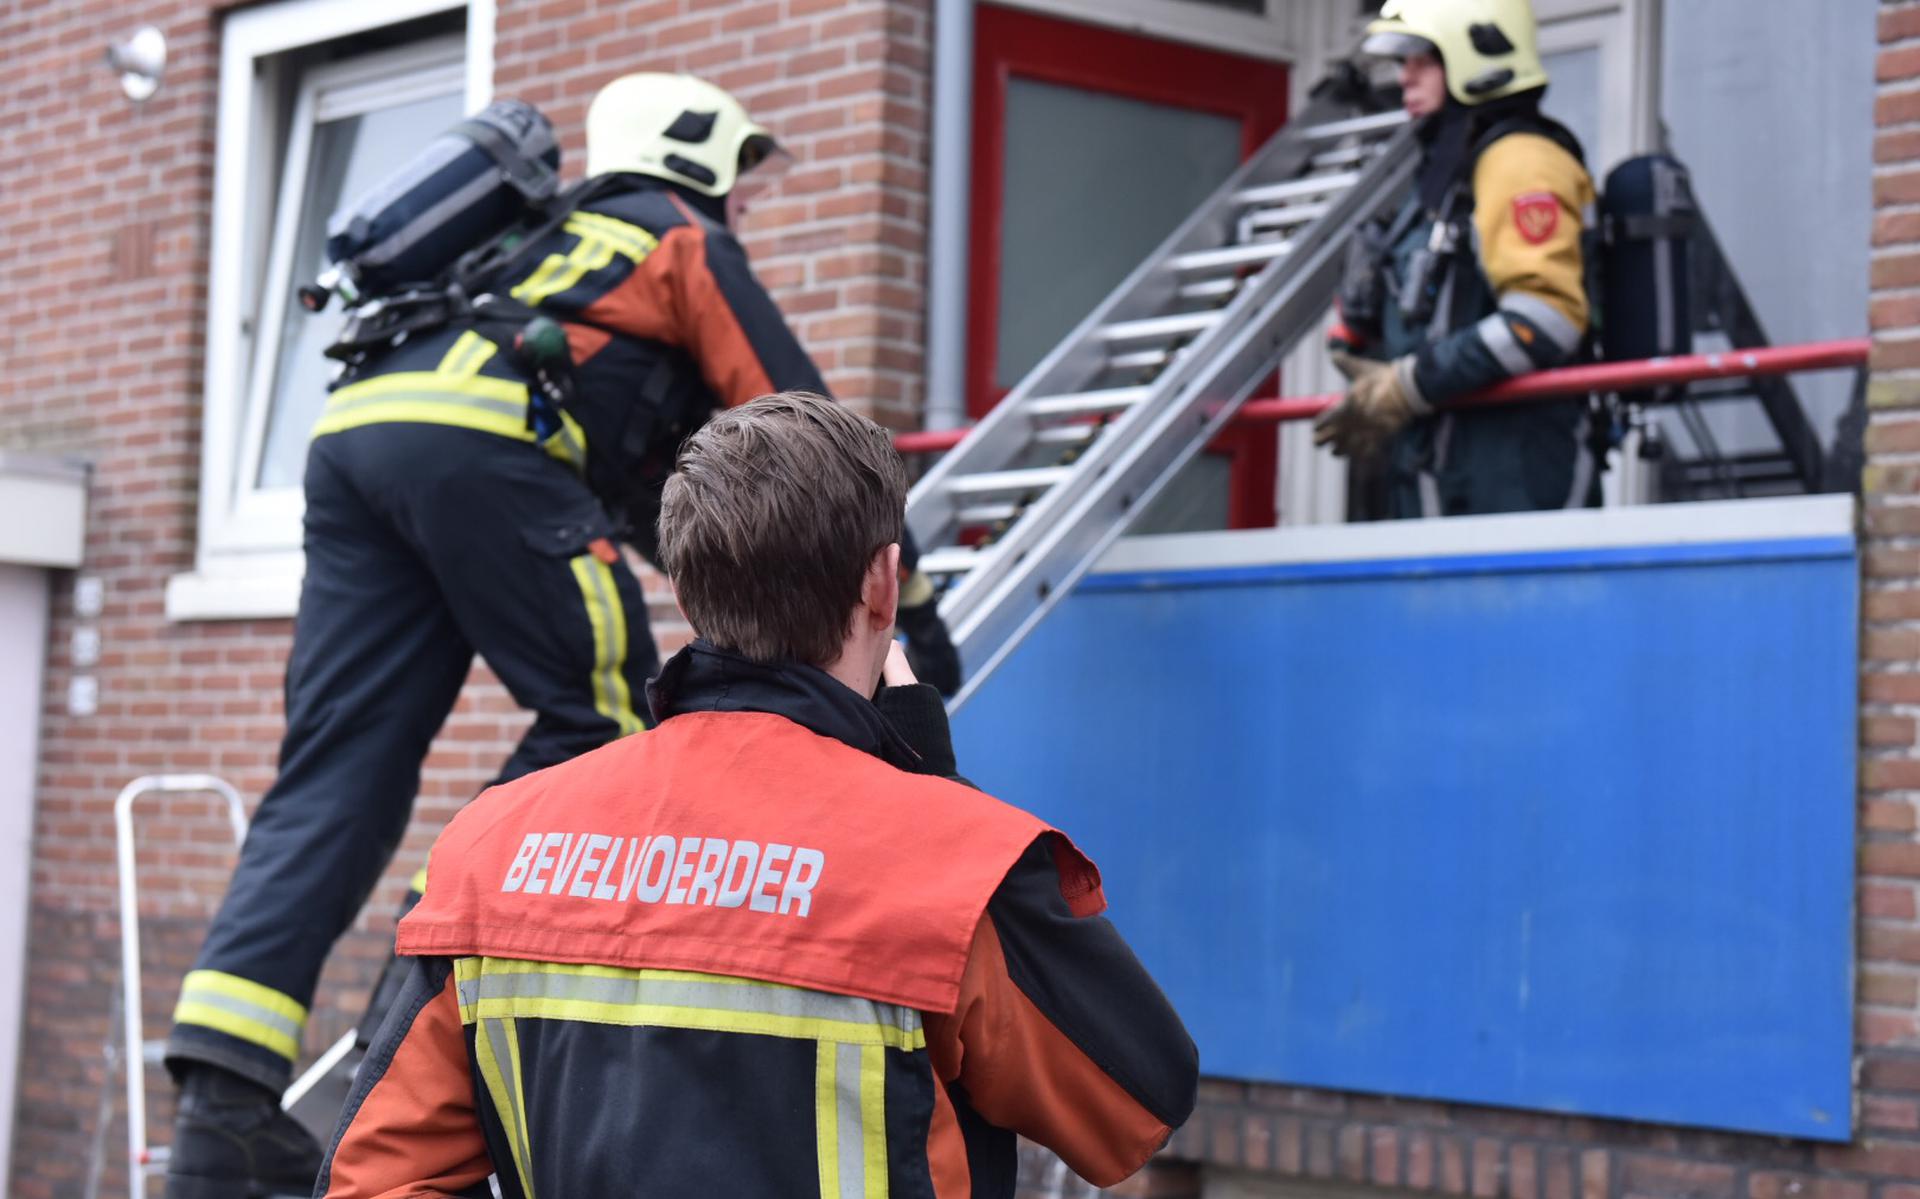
(674, 127)
(1490, 48)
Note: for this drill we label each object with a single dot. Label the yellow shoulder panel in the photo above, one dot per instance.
(1530, 200)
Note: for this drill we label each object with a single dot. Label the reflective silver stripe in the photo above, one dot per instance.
(1410, 386)
(240, 1007)
(1506, 349)
(505, 1057)
(1545, 317)
(1429, 494)
(641, 989)
(346, 401)
(852, 1138)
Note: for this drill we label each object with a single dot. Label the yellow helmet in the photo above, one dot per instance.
(1491, 48)
(674, 127)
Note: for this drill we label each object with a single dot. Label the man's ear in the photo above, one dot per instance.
(880, 590)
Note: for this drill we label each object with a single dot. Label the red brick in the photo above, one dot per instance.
(1489, 1171)
(1881, 729)
(1674, 1178)
(1898, 64)
(1384, 1152)
(1898, 22)
(1420, 1151)
(1895, 270)
(1888, 815)
(1896, 859)
(1890, 1113)
(1352, 1149)
(1887, 901)
(1523, 1172)
(1453, 1166)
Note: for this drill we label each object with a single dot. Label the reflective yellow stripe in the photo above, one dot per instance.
(244, 1009)
(826, 1118)
(873, 1119)
(419, 884)
(492, 1040)
(600, 238)
(350, 408)
(491, 989)
(612, 697)
(633, 241)
(469, 353)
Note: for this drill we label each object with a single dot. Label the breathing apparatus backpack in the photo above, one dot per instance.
(488, 173)
(1641, 250)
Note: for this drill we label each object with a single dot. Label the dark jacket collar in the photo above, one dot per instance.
(705, 678)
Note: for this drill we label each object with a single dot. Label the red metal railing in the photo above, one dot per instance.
(1571, 380)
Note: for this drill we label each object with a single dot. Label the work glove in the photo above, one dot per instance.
(1380, 400)
(930, 648)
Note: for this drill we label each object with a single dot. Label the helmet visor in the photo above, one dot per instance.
(763, 163)
(1398, 44)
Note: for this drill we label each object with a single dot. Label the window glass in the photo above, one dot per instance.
(1093, 183)
(349, 155)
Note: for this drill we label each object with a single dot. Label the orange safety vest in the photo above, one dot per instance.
(734, 843)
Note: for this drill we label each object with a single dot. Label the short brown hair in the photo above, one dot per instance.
(770, 519)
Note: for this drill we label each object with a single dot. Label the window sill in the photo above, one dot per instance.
(266, 591)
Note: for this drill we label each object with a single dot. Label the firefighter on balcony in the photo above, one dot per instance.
(773, 948)
(1477, 279)
(464, 493)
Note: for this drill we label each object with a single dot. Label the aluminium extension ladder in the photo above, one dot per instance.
(137, 1053)
(1016, 513)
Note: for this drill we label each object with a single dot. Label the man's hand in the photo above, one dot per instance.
(1378, 404)
(895, 671)
(929, 645)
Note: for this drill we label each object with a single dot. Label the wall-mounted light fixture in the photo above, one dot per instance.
(140, 59)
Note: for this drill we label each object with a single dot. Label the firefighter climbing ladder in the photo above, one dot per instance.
(1040, 488)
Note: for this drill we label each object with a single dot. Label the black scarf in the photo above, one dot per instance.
(705, 678)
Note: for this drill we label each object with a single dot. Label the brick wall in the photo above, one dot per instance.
(104, 214)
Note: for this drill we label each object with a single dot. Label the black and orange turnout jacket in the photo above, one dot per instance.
(760, 951)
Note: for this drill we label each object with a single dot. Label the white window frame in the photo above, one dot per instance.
(1275, 35)
(248, 562)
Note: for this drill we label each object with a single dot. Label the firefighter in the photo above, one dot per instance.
(767, 949)
(452, 508)
(1478, 278)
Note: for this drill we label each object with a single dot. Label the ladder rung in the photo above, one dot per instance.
(1155, 328)
(1231, 256)
(1378, 123)
(1284, 218)
(986, 514)
(1065, 435)
(995, 482)
(1293, 189)
(1107, 399)
(953, 560)
(1137, 360)
(1210, 289)
(1340, 156)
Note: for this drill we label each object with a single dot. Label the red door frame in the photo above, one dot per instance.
(1010, 42)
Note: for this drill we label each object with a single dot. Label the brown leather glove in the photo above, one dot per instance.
(1379, 403)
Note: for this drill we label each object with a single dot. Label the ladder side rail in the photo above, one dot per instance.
(1324, 241)
(1718, 291)
(1068, 547)
(133, 1027)
(1080, 356)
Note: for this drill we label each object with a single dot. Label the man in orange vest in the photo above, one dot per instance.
(767, 949)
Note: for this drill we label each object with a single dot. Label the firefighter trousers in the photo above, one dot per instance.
(424, 545)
